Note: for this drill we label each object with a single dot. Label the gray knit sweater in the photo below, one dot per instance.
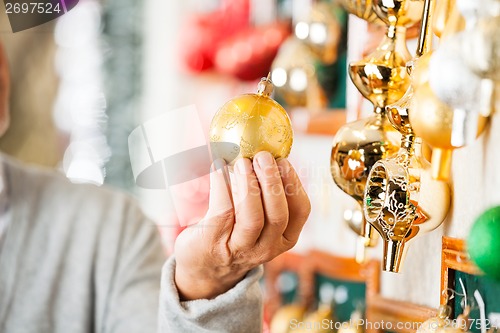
(82, 259)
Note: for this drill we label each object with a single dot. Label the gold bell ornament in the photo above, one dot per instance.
(434, 121)
(401, 200)
(381, 78)
(251, 123)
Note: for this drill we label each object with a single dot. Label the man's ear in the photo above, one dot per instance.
(4, 91)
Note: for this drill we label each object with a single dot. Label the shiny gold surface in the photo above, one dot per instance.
(398, 113)
(402, 13)
(396, 198)
(252, 123)
(381, 77)
(402, 202)
(362, 9)
(356, 148)
(294, 74)
(443, 8)
(432, 120)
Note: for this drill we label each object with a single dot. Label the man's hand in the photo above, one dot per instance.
(249, 223)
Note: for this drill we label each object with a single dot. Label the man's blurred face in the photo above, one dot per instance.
(4, 92)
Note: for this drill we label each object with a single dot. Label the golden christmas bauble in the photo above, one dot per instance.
(251, 123)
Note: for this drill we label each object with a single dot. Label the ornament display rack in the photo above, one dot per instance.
(319, 267)
(457, 268)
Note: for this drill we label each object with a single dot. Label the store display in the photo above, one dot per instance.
(381, 78)
(357, 146)
(401, 200)
(482, 242)
(251, 123)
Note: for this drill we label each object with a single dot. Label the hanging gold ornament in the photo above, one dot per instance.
(436, 122)
(322, 32)
(356, 148)
(401, 200)
(251, 123)
(381, 77)
(295, 78)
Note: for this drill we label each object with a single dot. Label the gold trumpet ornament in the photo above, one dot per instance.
(381, 78)
(251, 123)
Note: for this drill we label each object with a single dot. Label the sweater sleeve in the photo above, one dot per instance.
(237, 310)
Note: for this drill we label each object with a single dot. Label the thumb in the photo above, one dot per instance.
(220, 207)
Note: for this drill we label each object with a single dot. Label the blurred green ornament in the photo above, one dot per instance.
(483, 243)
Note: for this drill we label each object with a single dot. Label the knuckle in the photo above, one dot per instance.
(277, 217)
(288, 244)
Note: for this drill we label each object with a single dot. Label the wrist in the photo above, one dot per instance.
(195, 284)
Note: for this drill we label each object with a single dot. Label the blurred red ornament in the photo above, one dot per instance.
(249, 54)
(201, 34)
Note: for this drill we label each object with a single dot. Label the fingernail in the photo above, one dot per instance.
(243, 166)
(218, 165)
(264, 159)
(284, 166)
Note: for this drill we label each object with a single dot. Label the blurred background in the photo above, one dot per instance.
(82, 83)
